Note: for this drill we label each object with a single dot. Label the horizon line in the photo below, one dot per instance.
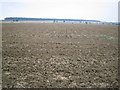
(64, 19)
(54, 18)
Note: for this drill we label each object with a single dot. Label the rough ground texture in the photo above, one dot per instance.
(59, 55)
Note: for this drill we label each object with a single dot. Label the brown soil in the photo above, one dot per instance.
(59, 55)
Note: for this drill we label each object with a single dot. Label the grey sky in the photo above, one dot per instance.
(104, 10)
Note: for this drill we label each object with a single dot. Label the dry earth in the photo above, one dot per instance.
(59, 55)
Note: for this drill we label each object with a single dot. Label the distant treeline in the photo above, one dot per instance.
(44, 19)
(16, 19)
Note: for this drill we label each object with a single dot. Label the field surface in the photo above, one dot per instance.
(36, 55)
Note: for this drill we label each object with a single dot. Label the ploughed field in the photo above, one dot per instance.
(38, 55)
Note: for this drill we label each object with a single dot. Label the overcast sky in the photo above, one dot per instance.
(104, 10)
